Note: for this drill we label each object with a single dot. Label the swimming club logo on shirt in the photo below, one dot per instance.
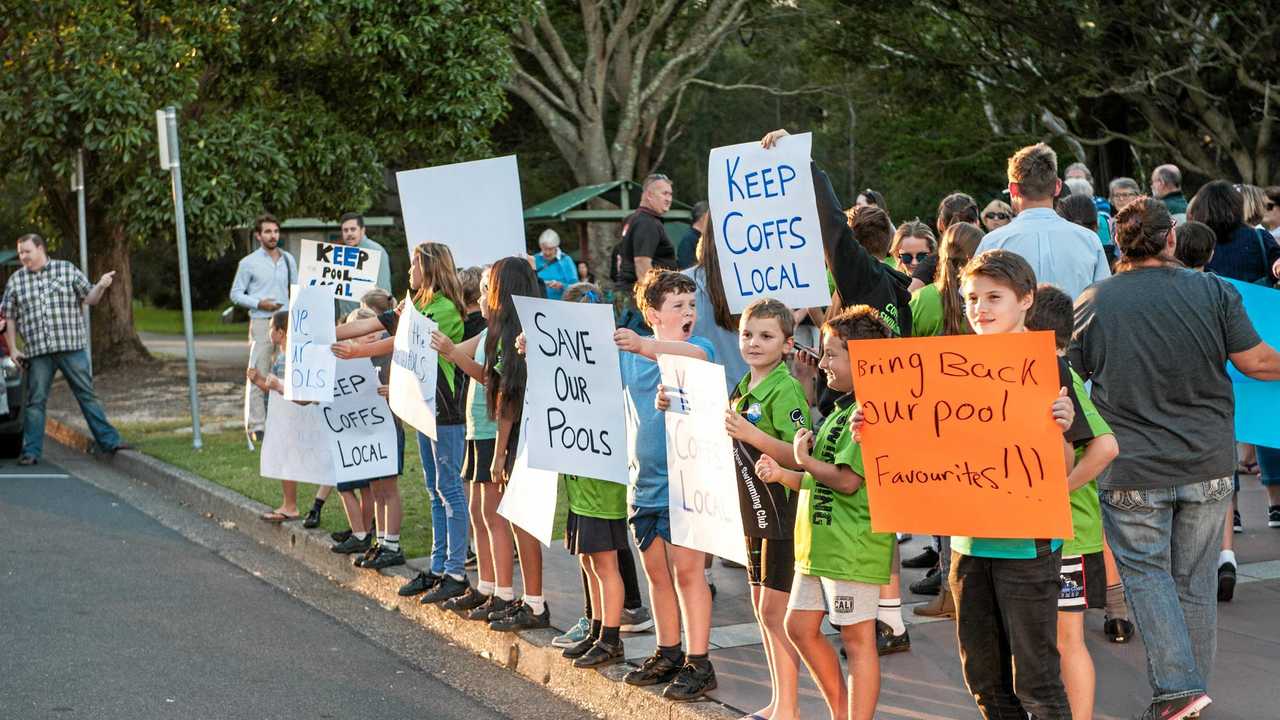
(753, 413)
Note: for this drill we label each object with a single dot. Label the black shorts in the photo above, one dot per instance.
(771, 563)
(353, 485)
(586, 535)
(1084, 583)
(477, 461)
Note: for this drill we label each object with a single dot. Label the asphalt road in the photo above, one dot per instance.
(107, 612)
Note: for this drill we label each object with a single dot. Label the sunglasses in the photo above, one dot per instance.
(996, 216)
(908, 258)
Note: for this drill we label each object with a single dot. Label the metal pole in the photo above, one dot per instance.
(84, 248)
(180, 224)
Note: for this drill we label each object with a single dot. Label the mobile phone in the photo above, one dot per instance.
(800, 347)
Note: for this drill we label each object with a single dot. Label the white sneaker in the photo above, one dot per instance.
(637, 620)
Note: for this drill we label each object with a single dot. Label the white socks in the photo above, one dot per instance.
(890, 613)
(536, 603)
(484, 587)
(1227, 556)
(505, 593)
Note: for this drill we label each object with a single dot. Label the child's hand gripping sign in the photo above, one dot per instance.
(959, 435)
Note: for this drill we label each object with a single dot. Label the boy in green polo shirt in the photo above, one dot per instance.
(596, 531)
(1006, 590)
(768, 407)
(840, 562)
(1083, 576)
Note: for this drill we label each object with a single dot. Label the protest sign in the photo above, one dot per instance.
(959, 438)
(346, 271)
(529, 500)
(308, 362)
(351, 438)
(574, 393)
(703, 497)
(413, 371)
(766, 226)
(1256, 400)
(473, 207)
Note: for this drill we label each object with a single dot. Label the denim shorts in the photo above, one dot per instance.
(649, 523)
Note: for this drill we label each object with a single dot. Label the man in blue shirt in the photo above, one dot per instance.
(1061, 252)
(353, 234)
(262, 287)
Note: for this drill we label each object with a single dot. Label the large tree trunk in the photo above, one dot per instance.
(115, 341)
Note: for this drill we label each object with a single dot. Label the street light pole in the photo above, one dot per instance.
(77, 184)
(167, 127)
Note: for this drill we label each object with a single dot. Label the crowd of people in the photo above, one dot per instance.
(1129, 286)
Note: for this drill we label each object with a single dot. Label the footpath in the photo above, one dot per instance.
(923, 684)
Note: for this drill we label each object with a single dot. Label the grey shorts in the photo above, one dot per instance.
(846, 602)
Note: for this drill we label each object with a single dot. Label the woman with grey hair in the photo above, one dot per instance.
(555, 268)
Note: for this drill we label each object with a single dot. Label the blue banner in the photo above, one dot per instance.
(1258, 403)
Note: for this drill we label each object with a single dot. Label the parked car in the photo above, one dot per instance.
(11, 408)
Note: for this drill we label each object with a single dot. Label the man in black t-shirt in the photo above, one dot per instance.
(644, 239)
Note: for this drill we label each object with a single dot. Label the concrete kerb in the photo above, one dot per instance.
(530, 653)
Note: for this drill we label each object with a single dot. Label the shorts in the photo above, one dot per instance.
(771, 563)
(1084, 583)
(477, 461)
(648, 524)
(846, 602)
(353, 485)
(586, 535)
(361, 484)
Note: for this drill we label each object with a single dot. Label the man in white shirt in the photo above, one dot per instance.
(1061, 252)
(262, 287)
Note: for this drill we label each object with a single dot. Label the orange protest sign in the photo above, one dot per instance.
(958, 436)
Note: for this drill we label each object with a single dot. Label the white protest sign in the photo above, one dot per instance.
(703, 496)
(346, 271)
(574, 392)
(413, 371)
(765, 221)
(308, 362)
(295, 443)
(529, 500)
(351, 438)
(473, 207)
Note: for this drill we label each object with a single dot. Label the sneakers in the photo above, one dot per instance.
(420, 583)
(926, 559)
(692, 682)
(522, 617)
(448, 588)
(1178, 708)
(1226, 582)
(367, 556)
(466, 602)
(576, 634)
(1236, 525)
(1118, 630)
(600, 654)
(635, 620)
(654, 670)
(1273, 516)
(313, 518)
(491, 609)
(340, 535)
(930, 584)
(580, 648)
(887, 643)
(942, 606)
(384, 558)
(353, 545)
(28, 460)
(472, 561)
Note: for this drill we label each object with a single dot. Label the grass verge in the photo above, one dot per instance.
(169, 322)
(227, 461)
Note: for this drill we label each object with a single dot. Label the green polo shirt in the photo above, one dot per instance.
(594, 498)
(926, 311)
(1086, 513)
(833, 531)
(778, 407)
(445, 314)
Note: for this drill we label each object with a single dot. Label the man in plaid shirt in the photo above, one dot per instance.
(42, 303)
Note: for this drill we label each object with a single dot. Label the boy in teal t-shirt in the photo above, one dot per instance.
(1083, 576)
(840, 562)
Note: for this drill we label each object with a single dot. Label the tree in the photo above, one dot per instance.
(290, 107)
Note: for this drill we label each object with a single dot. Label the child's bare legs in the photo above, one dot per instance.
(368, 506)
(355, 515)
(662, 593)
(784, 662)
(688, 567)
(390, 512)
(530, 562)
(484, 554)
(804, 629)
(290, 504)
(1077, 665)
(593, 587)
(499, 535)
(864, 669)
(606, 602)
(322, 493)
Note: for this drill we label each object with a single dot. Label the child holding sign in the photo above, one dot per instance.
(768, 408)
(288, 509)
(840, 562)
(1083, 574)
(1006, 590)
(667, 300)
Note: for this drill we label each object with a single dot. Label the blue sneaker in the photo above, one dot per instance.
(575, 635)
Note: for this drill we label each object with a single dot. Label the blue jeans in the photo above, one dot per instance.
(1166, 542)
(75, 368)
(450, 522)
